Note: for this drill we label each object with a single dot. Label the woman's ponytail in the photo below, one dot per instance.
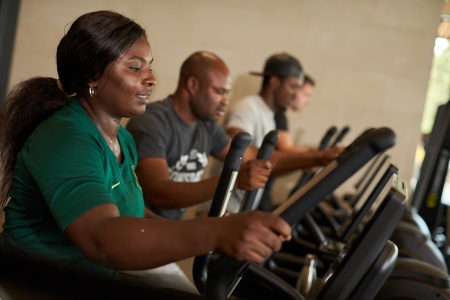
(27, 105)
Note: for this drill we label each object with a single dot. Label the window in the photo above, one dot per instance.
(438, 93)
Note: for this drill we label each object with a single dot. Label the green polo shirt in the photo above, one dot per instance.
(64, 169)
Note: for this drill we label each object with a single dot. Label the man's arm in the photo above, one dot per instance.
(160, 191)
(286, 144)
(285, 162)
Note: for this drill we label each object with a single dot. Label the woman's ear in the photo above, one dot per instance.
(92, 83)
(91, 88)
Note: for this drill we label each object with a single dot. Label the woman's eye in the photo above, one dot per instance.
(135, 69)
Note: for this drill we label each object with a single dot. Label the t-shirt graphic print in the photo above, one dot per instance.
(190, 167)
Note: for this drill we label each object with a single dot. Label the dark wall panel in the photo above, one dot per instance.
(9, 12)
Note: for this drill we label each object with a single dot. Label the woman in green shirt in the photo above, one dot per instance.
(74, 200)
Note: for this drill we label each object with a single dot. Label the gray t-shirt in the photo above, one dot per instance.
(160, 132)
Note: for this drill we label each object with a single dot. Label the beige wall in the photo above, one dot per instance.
(371, 59)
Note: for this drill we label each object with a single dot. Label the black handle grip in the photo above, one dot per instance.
(268, 145)
(264, 152)
(231, 164)
(221, 277)
(327, 137)
(340, 136)
(363, 134)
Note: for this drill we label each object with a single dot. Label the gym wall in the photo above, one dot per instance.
(371, 59)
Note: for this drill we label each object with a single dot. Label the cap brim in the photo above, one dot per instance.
(258, 73)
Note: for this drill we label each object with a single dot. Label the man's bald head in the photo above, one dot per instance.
(199, 65)
(203, 88)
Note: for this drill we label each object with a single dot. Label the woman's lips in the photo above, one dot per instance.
(144, 97)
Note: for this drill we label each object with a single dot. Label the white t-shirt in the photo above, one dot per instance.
(253, 115)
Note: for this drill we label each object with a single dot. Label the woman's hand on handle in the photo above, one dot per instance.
(252, 236)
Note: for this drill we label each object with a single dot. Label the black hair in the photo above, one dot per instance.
(93, 41)
(309, 80)
(266, 79)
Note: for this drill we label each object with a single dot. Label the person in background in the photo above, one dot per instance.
(285, 140)
(300, 101)
(69, 190)
(282, 78)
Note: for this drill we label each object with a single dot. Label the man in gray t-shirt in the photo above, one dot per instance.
(160, 132)
(175, 137)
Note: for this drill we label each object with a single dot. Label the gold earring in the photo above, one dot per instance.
(91, 91)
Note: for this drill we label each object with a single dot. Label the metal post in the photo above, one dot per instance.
(9, 13)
